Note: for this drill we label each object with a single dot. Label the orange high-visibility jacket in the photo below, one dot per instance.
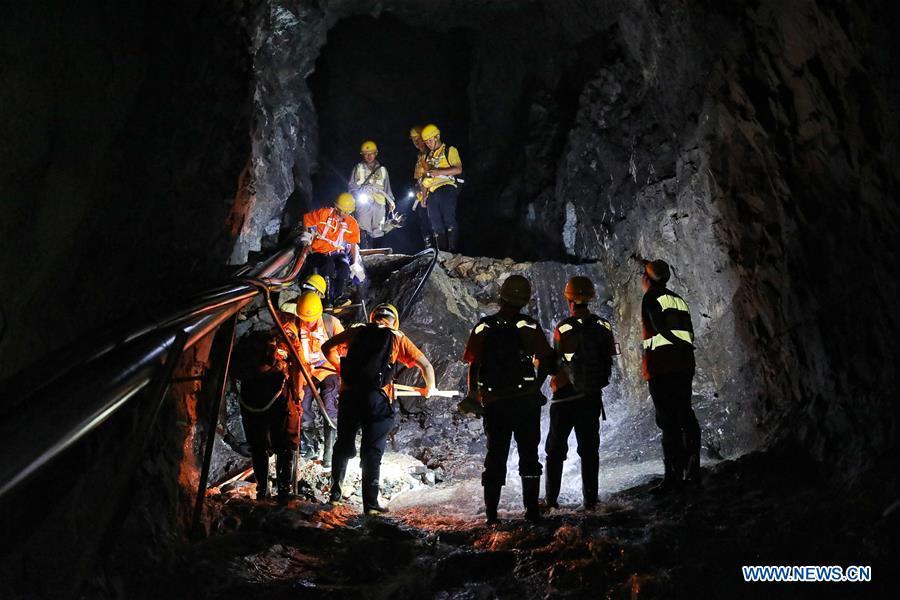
(336, 231)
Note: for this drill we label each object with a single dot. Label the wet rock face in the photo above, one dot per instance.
(748, 146)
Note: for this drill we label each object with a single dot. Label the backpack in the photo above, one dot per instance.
(586, 349)
(505, 369)
(258, 389)
(368, 361)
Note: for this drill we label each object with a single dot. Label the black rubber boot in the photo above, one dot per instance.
(590, 474)
(552, 483)
(673, 471)
(328, 450)
(692, 476)
(370, 488)
(491, 502)
(261, 472)
(453, 240)
(338, 470)
(286, 472)
(531, 489)
(309, 443)
(440, 242)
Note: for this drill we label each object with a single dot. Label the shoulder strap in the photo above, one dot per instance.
(372, 173)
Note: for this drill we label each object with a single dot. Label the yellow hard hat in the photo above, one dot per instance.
(415, 133)
(383, 310)
(315, 282)
(345, 203)
(580, 290)
(516, 291)
(309, 307)
(368, 146)
(429, 131)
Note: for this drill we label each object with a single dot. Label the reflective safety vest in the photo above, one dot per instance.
(335, 230)
(667, 310)
(377, 180)
(440, 159)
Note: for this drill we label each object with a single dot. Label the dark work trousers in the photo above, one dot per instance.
(277, 430)
(334, 268)
(371, 412)
(420, 215)
(582, 415)
(442, 209)
(671, 395)
(328, 390)
(504, 419)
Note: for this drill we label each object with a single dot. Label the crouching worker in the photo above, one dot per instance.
(312, 328)
(502, 351)
(370, 353)
(584, 347)
(270, 410)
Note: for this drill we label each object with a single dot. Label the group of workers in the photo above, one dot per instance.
(334, 235)
(349, 375)
(436, 187)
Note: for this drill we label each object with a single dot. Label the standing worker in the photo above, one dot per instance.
(370, 352)
(440, 185)
(502, 351)
(332, 235)
(313, 330)
(371, 187)
(584, 346)
(270, 409)
(419, 204)
(668, 366)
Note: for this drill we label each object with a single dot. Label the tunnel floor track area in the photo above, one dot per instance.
(760, 509)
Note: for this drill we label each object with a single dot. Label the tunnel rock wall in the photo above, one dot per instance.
(749, 156)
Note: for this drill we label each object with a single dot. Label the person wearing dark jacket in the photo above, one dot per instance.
(502, 351)
(584, 347)
(369, 353)
(668, 367)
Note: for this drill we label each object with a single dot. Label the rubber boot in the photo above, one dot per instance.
(440, 241)
(673, 473)
(370, 488)
(590, 472)
(328, 450)
(286, 472)
(261, 472)
(552, 483)
(491, 502)
(338, 470)
(692, 469)
(308, 443)
(531, 489)
(453, 240)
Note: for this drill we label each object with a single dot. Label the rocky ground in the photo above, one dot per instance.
(760, 509)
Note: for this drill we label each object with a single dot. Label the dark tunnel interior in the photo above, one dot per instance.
(374, 80)
(156, 158)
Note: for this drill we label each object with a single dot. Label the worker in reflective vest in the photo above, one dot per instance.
(332, 235)
(440, 183)
(668, 367)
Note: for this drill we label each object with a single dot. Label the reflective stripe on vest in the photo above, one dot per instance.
(667, 301)
(658, 340)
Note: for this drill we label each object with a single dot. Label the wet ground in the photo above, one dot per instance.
(761, 509)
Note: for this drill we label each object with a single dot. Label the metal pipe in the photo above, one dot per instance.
(222, 359)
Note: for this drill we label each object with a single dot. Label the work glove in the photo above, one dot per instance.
(306, 238)
(357, 271)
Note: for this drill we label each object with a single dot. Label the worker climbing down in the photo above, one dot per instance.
(440, 186)
(419, 204)
(668, 366)
(584, 347)
(332, 235)
(502, 352)
(270, 409)
(371, 187)
(312, 329)
(370, 351)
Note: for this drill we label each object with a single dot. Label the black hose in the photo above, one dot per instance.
(407, 307)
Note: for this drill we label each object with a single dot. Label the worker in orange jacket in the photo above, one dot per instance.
(332, 235)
